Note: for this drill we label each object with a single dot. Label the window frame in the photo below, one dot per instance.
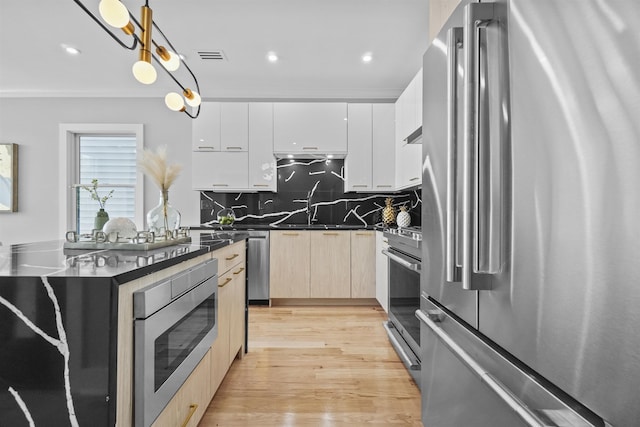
(69, 167)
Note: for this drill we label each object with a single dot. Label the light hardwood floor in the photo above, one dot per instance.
(316, 366)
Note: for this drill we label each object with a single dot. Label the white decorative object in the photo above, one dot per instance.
(403, 219)
(123, 226)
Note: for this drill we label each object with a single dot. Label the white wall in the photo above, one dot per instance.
(33, 124)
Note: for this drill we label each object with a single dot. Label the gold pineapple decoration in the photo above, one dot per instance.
(389, 212)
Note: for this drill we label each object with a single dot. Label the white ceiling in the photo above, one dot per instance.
(320, 44)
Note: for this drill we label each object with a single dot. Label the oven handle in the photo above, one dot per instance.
(400, 260)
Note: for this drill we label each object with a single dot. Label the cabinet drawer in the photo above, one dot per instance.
(190, 402)
(230, 256)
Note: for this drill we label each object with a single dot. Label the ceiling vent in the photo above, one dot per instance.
(217, 55)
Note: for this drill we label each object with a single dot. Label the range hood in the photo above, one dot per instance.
(415, 137)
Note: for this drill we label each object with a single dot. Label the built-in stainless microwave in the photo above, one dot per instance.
(175, 325)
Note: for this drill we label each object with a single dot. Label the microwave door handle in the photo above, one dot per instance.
(476, 15)
(454, 43)
(410, 265)
(517, 405)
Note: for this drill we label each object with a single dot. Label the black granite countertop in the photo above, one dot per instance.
(241, 227)
(50, 258)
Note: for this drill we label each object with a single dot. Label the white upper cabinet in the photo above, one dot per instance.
(408, 172)
(205, 130)
(384, 149)
(409, 109)
(310, 128)
(219, 171)
(234, 126)
(221, 126)
(370, 163)
(359, 161)
(262, 163)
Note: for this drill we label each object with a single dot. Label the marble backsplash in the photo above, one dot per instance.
(317, 183)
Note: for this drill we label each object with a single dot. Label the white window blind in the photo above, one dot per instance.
(111, 159)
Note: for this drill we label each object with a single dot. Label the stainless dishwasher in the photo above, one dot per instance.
(258, 267)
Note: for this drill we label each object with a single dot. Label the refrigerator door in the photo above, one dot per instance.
(565, 297)
(442, 171)
(472, 384)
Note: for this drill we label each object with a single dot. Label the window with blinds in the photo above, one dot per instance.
(111, 159)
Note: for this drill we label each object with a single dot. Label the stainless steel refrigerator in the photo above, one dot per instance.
(530, 282)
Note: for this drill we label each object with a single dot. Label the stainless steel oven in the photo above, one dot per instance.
(403, 328)
(176, 323)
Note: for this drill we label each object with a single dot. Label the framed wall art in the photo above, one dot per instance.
(8, 178)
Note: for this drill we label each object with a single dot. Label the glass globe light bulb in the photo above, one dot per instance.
(173, 63)
(195, 100)
(174, 101)
(144, 72)
(114, 13)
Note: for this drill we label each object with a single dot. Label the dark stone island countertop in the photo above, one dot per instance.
(58, 326)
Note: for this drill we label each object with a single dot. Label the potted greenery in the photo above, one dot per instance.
(101, 216)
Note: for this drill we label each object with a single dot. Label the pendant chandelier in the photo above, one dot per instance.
(116, 15)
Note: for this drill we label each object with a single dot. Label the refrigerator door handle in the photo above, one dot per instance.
(454, 43)
(476, 15)
(496, 386)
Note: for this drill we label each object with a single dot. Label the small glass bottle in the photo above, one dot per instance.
(164, 218)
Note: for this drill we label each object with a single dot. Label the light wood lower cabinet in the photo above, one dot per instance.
(289, 264)
(231, 306)
(330, 264)
(363, 264)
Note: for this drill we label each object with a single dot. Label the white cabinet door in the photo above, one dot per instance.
(262, 164)
(418, 99)
(382, 271)
(384, 149)
(408, 166)
(234, 126)
(310, 127)
(410, 102)
(205, 130)
(219, 171)
(358, 163)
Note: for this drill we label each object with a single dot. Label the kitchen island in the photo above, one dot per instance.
(66, 357)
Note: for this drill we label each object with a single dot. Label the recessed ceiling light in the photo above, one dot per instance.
(272, 57)
(290, 156)
(329, 156)
(70, 49)
(367, 57)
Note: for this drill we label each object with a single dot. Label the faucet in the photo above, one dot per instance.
(308, 210)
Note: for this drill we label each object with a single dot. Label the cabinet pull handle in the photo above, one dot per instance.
(363, 234)
(309, 148)
(205, 147)
(330, 234)
(260, 185)
(290, 234)
(384, 186)
(220, 185)
(415, 179)
(226, 281)
(234, 148)
(239, 271)
(192, 410)
(360, 185)
(232, 257)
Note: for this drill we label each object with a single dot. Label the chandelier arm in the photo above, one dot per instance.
(191, 115)
(104, 27)
(168, 72)
(176, 51)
